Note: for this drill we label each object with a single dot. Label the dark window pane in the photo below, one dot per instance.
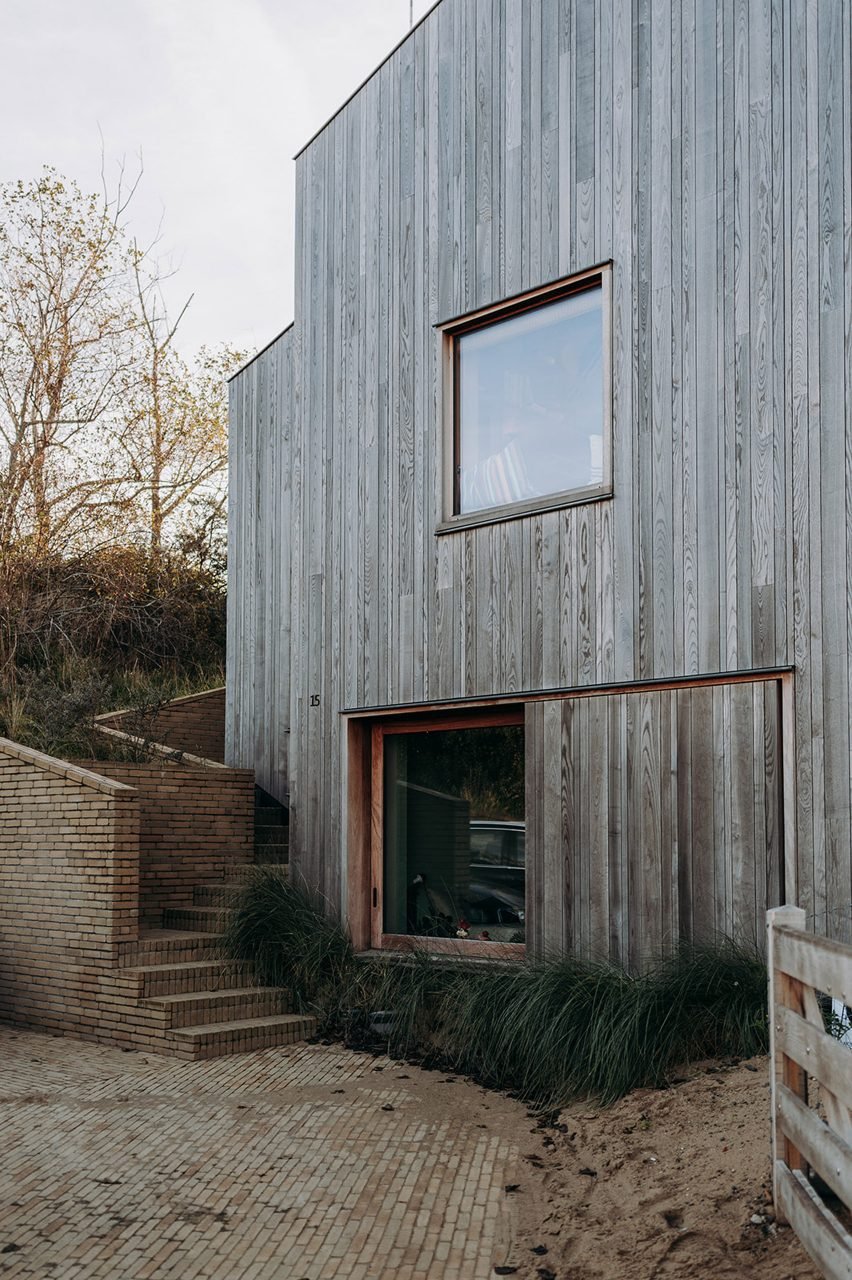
(454, 828)
(531, 403)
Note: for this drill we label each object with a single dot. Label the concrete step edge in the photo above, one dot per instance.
(225, 994)
(180, 966)
(286, 1021)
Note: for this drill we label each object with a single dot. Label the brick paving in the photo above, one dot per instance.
(304, 1162)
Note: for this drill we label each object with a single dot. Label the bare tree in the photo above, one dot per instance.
(175, 441)
(66, 329)
(104, 426)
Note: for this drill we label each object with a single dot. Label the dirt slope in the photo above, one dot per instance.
(665, 1184)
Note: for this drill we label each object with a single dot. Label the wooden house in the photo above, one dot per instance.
(558, 451)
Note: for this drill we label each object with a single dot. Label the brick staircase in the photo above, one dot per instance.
(180, 995)
(193, 1002)
(184, 999)
(116, 877)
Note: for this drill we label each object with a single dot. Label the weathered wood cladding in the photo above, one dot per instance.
(640, 832)
(257, 696)
(706, 150)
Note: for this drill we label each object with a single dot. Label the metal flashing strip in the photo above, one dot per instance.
(367, 79)
(258, 354)
(752, 676)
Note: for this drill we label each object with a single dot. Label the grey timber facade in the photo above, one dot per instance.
(682, 648)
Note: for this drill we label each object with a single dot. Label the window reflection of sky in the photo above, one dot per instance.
(532, 403)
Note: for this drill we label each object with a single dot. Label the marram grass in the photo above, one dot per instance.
(548, 1031)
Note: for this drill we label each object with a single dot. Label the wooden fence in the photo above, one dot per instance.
(811, 1153)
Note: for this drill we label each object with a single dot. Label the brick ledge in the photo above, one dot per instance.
(50, 764)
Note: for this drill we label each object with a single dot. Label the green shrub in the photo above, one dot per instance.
(547, 1031)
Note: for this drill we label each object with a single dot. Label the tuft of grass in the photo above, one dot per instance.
(285, 932)
(548, 1031)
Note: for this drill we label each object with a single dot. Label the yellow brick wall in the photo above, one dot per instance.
(193, 822)
(195, 724)
(69, 888)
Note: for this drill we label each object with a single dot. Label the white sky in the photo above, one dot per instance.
(218, 95)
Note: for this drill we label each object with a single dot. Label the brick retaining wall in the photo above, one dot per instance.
(84, 859)
(69, 885)
(195, 724)
(193, 822)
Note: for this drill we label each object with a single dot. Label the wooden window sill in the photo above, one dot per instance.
(520, 510)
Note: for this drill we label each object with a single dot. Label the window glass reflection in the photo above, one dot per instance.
(454, 863)
(531, 403)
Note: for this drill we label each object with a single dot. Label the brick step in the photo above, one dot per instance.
(271, 814)
(200, 919)
(218, 1039)
(191, 975)
(216, 1007)
(169, 946)
(268, 852)
(239, 875)
(271, 838)
(216, 895)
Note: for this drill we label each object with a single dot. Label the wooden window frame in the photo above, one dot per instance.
(365, 785)
(450, 331)
(366, 832)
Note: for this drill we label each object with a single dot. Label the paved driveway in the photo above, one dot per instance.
(302, 1162)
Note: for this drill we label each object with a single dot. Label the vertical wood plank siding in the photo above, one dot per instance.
(706, 150)
(640, 857)
(257, 694)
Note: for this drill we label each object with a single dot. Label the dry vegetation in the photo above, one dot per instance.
(116, 627)
(113, 454)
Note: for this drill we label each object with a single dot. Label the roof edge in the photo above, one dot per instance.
(367, 79)
(256, 356)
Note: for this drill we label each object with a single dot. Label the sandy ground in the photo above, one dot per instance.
(667, 1183)
(303, 1162)
(315, 1163)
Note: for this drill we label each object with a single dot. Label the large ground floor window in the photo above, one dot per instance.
(449, 856)
(615, 822)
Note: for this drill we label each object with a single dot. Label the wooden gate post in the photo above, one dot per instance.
(783, 990)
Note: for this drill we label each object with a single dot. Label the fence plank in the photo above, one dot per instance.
(815, 1052)
(799, 966)
(825, 1239)
(838, 1115)
(783, 1072)
(824, 1150)
(818, 962)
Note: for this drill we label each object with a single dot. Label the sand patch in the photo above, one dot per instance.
(665, 1185)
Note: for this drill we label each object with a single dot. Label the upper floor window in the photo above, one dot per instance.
(530, 402)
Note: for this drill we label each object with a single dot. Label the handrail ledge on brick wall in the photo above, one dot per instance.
(111, 722)
(172, 702)
(50, 764)
(175, 754)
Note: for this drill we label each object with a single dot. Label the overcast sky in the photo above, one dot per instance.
(218, 96)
